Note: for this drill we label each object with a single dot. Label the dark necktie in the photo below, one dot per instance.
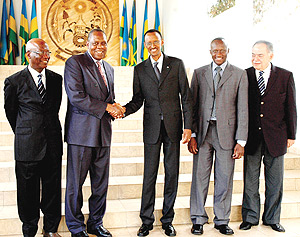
(261, 83)
(102, 73)
(156, 70)
(41, 88)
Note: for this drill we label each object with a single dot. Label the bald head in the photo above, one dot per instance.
(35, 43)
(38, 54)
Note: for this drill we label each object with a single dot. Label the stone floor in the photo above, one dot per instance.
(292, 227)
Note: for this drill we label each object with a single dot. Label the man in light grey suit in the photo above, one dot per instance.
(89, 83)
(220, 128)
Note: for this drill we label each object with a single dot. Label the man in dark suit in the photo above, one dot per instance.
(89, 83)
(220, 124)
(159, 83)
(272, 129)
(32, 102)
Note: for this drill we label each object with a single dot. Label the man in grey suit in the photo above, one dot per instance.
(160, 83)
(89, 83)
(220, 128)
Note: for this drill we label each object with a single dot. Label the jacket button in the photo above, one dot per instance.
(261, 115)
(262, 102)
(259, 128)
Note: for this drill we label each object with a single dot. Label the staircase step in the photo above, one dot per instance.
(130, 187)
(125, 213)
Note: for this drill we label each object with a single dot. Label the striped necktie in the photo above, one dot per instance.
(102, 73)
(156, 70)
(261, 83)
(41, 88)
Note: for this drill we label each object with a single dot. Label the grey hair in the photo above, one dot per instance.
(267, 43)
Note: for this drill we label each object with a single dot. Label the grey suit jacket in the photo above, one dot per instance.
(36, 125)
(87, 122)
(231, 104)
(162, 98)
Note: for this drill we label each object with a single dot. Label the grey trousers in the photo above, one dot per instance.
(273, 169)
(223, 180)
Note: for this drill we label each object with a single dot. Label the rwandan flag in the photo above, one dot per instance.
(157, 21)
(4, 30)
(144, 52)
(34, 33)
(24, 33)
(124, 37)
(13, 51)
(132, 36)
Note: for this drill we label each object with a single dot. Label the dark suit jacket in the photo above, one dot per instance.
(162, 98)
(278, 110)
(36, 125)
(87, 122)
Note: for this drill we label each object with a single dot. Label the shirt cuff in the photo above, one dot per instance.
(241, 142)
(193, 134)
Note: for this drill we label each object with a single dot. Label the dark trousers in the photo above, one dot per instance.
(273, 169)
(151, 163)
(30, 175)
(81, 160)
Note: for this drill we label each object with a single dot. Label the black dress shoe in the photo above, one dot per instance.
(80, 234)
(99, 231)
(277, 227)
(197, 229)
(144, 230)
(246, 225)
(169, 229)
(224, 229)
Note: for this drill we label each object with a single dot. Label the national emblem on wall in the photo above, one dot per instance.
(68, 22)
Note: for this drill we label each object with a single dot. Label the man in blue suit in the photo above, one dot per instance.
(89, 83)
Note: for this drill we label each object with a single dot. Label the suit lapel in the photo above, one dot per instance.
(166, 68)
(109, 78)
(226, 75)
(150, 71)
(208, 76)
(30, 82)
(91, 66)
(271, 80)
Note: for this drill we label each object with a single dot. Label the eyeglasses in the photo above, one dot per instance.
(43, 53)
(148, 44)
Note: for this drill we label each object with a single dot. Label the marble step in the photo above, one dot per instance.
(118, 150)
(125, 213)
(130, 187)
(118, 136)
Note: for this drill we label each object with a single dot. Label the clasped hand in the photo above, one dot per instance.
(116, 110)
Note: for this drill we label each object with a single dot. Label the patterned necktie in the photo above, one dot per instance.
(156, 70)
(41, 88)
(261, 83)
(217, 77)
(102, 73)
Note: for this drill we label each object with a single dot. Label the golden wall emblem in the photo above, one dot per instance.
(68, 22)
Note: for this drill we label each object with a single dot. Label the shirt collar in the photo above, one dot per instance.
(95, 60)
(160, 60)
(267, 71)
(223, 66)
(35, 73)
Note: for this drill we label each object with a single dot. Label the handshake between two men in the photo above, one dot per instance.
(116, 110)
